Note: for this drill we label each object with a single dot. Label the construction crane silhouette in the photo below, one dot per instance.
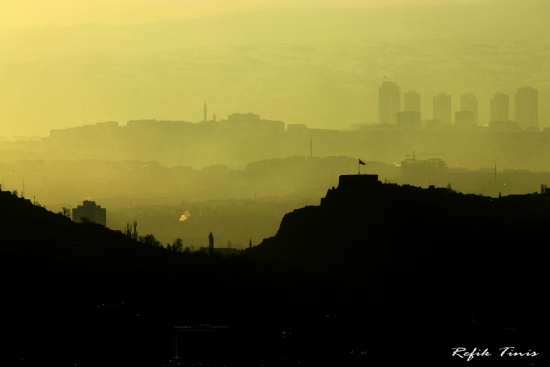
(414, 155)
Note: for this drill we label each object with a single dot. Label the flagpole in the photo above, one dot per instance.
(359, 166)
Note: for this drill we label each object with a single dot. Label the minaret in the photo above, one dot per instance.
(310, 147)
(204, 111)
(250, 243)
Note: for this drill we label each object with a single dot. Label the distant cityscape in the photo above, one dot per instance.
(242, 138)
(242, 157)
(391, 112)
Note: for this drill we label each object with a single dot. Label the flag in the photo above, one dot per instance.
(361, 162)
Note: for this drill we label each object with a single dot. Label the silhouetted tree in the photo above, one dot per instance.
(177, 245)
(150, 240)
(210, 244)
(128, 232)
(135, 234)
(14, 192)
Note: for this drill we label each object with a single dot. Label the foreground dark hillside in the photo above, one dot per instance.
(80, 293)
(71, 290)
(440, 255)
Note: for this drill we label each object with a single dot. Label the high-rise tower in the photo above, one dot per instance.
(389, 102)
(442, 108)
(411, 101)
(468, 102)
(500, 107)
(527, 107)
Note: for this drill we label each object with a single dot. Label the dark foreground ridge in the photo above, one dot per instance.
(380, 229)
(435, 258)
(354, 281)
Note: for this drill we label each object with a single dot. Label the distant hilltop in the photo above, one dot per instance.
(243, 138)
(383, 234)
(234, 121)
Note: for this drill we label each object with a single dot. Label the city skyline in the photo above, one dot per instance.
(526, 106)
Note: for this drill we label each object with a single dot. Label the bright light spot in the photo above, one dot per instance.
(184, 216)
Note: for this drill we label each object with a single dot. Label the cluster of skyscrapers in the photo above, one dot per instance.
(390, 111)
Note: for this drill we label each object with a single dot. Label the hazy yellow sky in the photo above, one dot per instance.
(315, 62)
(58, 13)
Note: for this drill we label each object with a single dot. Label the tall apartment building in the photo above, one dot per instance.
(411, 101)
(527, 107)
(468, 102)
(389, 102)
(442, 108)
(500, 107)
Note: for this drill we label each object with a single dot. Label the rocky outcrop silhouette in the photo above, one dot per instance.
(434, 248)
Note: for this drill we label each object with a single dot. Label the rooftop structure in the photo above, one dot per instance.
(91, 212)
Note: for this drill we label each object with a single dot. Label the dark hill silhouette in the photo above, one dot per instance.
(356, 276)
(431, 252)
(79, 292)
(434, 231)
